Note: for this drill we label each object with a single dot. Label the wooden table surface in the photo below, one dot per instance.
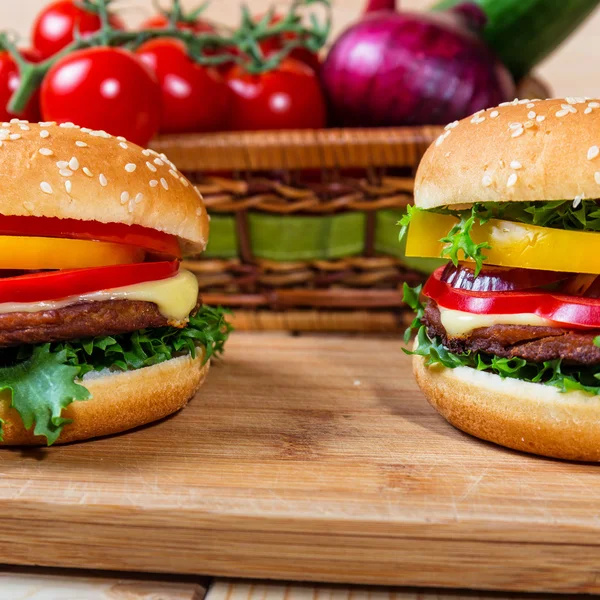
(311, 458)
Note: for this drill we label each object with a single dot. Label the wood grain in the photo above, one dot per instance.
(35, 586)
(311, 458)
(259, 590)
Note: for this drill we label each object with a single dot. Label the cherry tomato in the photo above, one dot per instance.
(104, 88)
(575, 311)
(288, 97)
(37, 287)
(276, 43)
(162, 22)
(53, 29)
(194, 98)
(132, 235)
(9, 82)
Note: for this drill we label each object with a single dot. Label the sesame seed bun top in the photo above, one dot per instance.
(64, 171)
(524, 150)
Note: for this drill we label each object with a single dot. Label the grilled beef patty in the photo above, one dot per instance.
(535, 344)
(83, 320)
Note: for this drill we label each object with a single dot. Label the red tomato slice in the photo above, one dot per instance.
(132, 235)
(574, 311)
(62, 284)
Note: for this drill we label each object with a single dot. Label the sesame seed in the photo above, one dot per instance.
(597, 176)
(68, 186)
(24, 127)
(139, 197)
(198, 192)
(15, 120)
(87, 172)
(515, 164)
(5, 124)
(522, 101)
(451, 125)
(28, 206)
(66, 172)
(47, 123)
(123, 145)
(153, 183)
(587, 111)
(594, 104)
(531, 114)
(511, 180)
(199, 211)
(437, 143)
(86, 130)
(184, 181)
(153, 168)
(124, 197)
(68, 125)
(46, 187)
(540, 118)
(515, 125)
(531, 105)
(528, 124)
(562, 113)
(494, 114)
(130, 167)
(517, 132)
(131, 206)
(568, 108)
(577, 200)
(44, 133)
(174, 173)
(164, 183)
(74, 164)
(486, 181)
(505, 104)
(15, 136)
(146, 153)
(45, 152)
(81, 144)
(121, 138)
(62, 164)
(477, 119)
(159, 162)
(593, 152)
(103, 180)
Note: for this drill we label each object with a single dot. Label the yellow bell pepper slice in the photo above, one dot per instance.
(36, 253)
(512, 244)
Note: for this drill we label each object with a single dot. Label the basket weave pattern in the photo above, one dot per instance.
(309, 174)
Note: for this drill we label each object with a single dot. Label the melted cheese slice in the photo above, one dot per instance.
(175, 297)
(458, 323)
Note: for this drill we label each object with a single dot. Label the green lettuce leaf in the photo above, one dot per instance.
(43, 378)
(553, 372)
(41, 387)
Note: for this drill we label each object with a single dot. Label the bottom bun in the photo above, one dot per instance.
(525, 416)
(119, 401)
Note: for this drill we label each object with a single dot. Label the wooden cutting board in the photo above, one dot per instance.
(307, 458)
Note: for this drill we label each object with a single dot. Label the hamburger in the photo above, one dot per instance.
(508, 332)
(101, 330)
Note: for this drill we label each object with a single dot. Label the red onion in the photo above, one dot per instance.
(400, 68)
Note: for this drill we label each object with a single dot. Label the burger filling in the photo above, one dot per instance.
(79, 296)
(520, 297)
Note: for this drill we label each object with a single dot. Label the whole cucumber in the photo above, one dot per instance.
(524, 32)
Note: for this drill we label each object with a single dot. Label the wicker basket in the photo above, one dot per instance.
(353, 184)
(304, 231)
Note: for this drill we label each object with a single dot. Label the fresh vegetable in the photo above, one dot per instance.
(288, 97)
(499, 279)
(10, 80)
(33, 253)
(524, 32)
(132, 235)
(36, 287)
(573, 311)
(162, 21)
(506, 243)
(398, 68)
(555, 373)
(57, 24)
(194, 98)
(104, 88)
(46, 379)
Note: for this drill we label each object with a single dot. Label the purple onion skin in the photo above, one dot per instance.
(394, 69)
